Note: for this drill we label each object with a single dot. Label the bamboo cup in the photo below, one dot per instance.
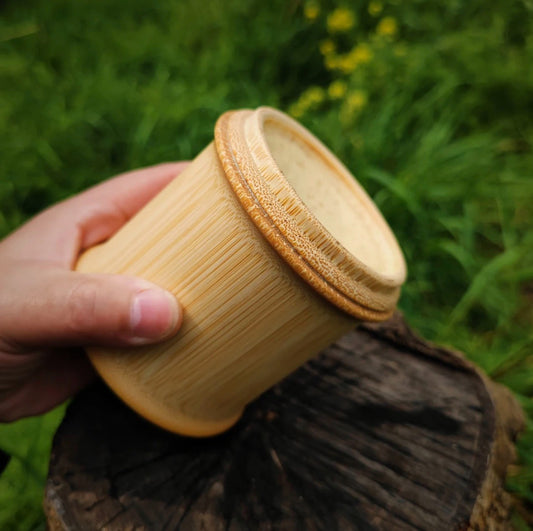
(274, 251)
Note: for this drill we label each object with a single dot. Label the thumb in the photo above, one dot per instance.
(54, 307)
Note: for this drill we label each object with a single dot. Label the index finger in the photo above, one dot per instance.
(58, 234)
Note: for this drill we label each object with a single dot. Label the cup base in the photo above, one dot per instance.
(160, 414)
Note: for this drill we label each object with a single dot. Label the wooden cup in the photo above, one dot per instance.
(274, 251)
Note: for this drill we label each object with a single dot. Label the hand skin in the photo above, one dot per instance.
(48, 311)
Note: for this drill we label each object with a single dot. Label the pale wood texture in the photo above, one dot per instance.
(383, 431)
(268, 158)
(264, 284)
(253, 268)
(249, 319)
(336, 200)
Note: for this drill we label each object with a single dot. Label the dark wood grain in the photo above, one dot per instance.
(382, 431)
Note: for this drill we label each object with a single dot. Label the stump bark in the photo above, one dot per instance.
(381, 431)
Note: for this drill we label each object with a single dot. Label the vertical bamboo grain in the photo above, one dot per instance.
(273, 250)
(249, 319)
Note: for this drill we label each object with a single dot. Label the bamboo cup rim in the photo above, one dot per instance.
(365, 291)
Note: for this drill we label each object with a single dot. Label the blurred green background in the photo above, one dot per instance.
(430, 104)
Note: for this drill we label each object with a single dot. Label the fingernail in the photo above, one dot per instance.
(154, 315)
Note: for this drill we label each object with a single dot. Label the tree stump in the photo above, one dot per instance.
(381, 431)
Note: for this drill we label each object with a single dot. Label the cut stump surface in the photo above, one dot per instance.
(381, 431)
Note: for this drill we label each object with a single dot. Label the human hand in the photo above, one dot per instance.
(48, 311)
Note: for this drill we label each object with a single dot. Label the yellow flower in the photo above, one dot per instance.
(313, 96)
(332, 61)
(375, 8)
(337, 89)
(340, 20)
(355, 101)
(296, 111)
(361, 53)
(387, 27)
(311, 10)
(310, 98)
(348, 62)
(327, 47)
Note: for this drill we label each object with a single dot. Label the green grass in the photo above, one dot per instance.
(432, 113)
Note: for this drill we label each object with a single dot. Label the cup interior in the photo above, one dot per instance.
(334, 197)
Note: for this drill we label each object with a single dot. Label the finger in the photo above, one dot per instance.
(57, 377)
(131, 190)
(50, 306)
(61, 232)
(109, 205)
